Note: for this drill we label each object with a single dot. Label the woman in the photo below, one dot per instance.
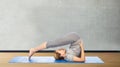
(74, 53)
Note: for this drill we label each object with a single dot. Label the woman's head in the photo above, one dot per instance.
(60, 53)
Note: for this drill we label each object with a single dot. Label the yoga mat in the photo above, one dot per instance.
(51, 59)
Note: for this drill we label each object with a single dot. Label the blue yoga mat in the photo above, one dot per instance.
(51, 59)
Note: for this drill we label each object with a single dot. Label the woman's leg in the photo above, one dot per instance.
(64, 40)
(67, 39)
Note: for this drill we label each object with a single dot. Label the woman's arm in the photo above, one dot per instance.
(82, 57)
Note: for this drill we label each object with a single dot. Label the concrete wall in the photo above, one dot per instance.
(27, 23)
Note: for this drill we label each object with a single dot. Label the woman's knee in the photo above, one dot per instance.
(74, 36)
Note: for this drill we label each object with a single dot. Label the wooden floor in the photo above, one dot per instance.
(110, 59)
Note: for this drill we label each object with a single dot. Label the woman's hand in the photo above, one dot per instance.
(81, 44)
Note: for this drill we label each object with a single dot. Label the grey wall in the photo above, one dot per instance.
(27, 23)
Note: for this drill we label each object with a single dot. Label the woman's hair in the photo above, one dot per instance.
(58, 55)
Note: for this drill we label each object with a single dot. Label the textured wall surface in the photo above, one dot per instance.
(27, 23)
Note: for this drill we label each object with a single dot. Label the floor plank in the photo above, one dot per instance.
(111, 60)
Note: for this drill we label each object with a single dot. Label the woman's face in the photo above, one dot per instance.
(62, 52)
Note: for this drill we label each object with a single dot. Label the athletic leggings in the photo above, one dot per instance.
(69, 38)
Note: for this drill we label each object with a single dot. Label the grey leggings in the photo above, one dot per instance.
(69, 38)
